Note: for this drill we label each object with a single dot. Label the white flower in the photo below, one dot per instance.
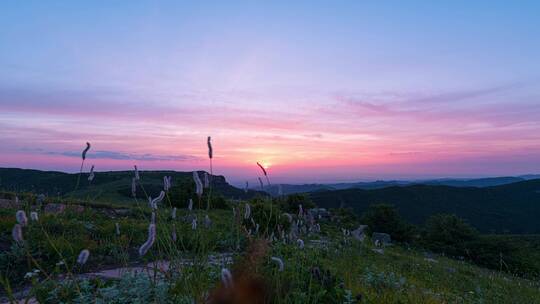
(16, 233)
(198, 184)
(279, 262)
(21, 218)
(150, 241)
(247, 213)
(83, 256)
(34, 216)
(226, 278)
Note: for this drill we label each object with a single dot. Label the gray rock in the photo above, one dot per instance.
(54, 208)
(381, 238)
(359, 233)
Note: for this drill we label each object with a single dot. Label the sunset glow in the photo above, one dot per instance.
(311, 96)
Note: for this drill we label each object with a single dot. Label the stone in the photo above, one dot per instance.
(12, 204)
(54, 208)
(359, 234)
(378, 250)
(383, 239)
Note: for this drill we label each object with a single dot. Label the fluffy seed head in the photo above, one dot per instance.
(207, 221)
(173, 213)
(210, 150)
(194, 224)
(91, 175)
(157, 200)
(34, 216)
(83, 257)
(21, 217)
(150, 241)
(167, 183)
(173, 234)
(85, 150)
(134, 187)
(117, 228)
(206, 180)
(137, 176)
(16, 233)
(279, 261)
(247, 213)
(226, 278)
(190, 205)
(246, 188)
(198, 184)
(262, 168)
(300, 243)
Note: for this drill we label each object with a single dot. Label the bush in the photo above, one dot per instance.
(292, 202)
(448, 234)
(385, 218)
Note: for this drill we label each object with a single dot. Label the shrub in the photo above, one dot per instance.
(385, 218)
(448, 234)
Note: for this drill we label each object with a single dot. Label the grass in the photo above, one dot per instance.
(334, 270)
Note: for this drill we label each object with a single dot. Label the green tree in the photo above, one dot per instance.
(385, 218)
(448, 234)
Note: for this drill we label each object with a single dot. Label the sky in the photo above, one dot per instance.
(317, 91)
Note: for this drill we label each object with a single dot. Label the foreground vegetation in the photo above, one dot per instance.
(326, 266)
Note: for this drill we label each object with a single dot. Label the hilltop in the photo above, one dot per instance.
(512, 208)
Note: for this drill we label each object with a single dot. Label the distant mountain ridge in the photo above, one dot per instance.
(455, 182)
(113, 185)
(512, 208)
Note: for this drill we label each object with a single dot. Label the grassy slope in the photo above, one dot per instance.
(400, 275)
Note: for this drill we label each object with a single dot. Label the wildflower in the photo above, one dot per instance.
(117, 227)
(91, 176)
(279, 261)
(262, 168)
(247, 213)
(134, 187)
(167, 183)
(226, 278)
(194, 224)
(34, 216)
(198, 184)
(154, 202)
(21, 217)
(85, 150)
(150, 241)
(137, 176)
(207, 221)
(173, 234)
(206, 180)
(300, 243)
(17, 233)
(210, 150)
(190, 205)
(30, 275)
(173, 214)
(83, 257)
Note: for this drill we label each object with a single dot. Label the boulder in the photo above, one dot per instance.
(381, 238)
(359, 233)
(7, 203)
(54, 208)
